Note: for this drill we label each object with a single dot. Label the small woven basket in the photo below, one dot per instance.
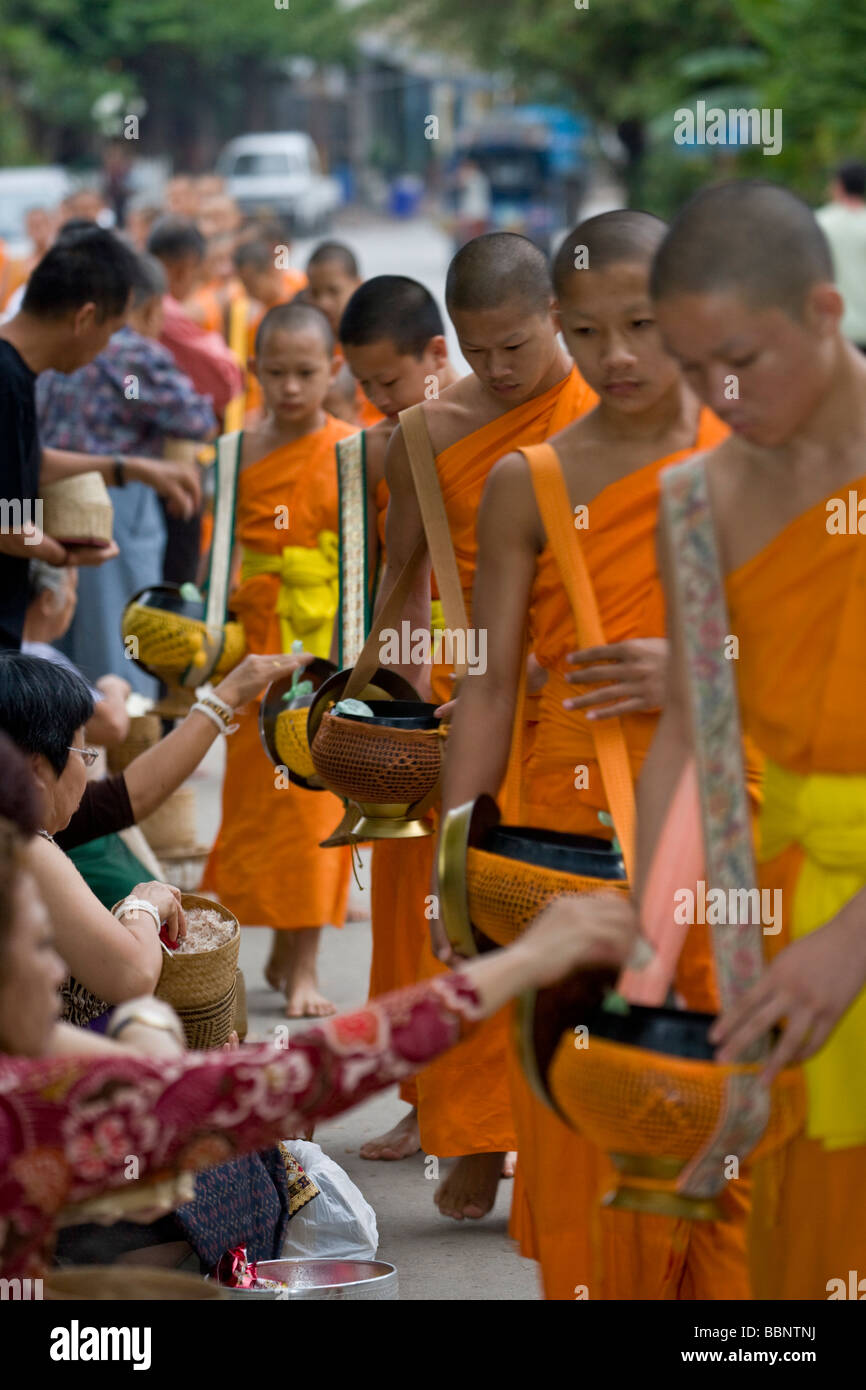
(495, 879)
(290, 736)
(171, 827)
(145, 731)
(653, 1113)
(201, 986)
(504, 895)
(173, 643)
(78, 511)
(375, 764)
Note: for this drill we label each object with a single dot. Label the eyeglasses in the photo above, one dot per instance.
(89, 755)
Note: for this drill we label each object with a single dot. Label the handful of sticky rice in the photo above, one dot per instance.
(205, 931)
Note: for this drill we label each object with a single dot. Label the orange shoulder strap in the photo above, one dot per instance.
(554, 505)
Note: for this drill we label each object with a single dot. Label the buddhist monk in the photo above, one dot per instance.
(744, 293)
(266, 283)
(333, 275)
(393, 340)
(522, 388)
(266, 865)
(609, 460)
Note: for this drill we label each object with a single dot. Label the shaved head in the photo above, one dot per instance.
(749, 238)
(295, 318)
(338, 253)
(391, 308)
(612, 238)
(495, 268)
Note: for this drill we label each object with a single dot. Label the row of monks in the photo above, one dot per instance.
(643, 346)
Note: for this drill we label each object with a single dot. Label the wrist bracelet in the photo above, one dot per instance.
(120, 472)
(216, 716)
(136, 905)
(147, 1012)
(208, 695)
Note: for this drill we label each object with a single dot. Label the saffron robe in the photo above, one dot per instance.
(799, 610)
(562, 1177)
(266, 865)
(464, 1100)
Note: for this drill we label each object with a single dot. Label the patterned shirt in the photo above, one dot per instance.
(126, 401)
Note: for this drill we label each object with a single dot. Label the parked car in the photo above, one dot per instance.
(281, 174)
(22, 189)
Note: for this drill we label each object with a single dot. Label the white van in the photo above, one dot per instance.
(280, 174)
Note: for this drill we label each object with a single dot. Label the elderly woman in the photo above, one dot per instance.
(69, 1123)
(43, 709)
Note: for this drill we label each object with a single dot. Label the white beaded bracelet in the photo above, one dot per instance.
(215, 718)
(137, 905)
(207, 692)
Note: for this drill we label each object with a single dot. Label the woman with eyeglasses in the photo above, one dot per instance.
(43, 709)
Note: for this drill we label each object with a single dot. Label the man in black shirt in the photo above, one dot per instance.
(75, 299)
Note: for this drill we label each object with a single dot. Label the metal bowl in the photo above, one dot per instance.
(316, 1279)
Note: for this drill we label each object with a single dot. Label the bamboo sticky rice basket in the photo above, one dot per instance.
(78, 511)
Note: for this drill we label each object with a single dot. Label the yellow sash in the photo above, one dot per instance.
(309, 589)
(826, 815)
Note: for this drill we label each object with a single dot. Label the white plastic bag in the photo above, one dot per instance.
(339, 1224)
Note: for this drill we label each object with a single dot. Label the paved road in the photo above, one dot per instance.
(436, 1259)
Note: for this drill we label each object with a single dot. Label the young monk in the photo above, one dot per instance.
(393, 340)
(266, 285)
(744, 294)
(610, 461)
(266, 865)
(522, 389)
(333, 275)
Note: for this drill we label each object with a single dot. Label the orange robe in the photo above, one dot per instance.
(397, 888)
(266, 866)
(799, 610)
(560, 1176)
(464, 1098)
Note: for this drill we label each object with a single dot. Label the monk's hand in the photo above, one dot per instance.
(629, 676)
(91, 555)
(583, 932)
(250, 676)
(807, 987)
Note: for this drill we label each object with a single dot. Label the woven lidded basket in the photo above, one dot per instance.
(201, 986)
(78, 511)
(172, 826)
(145, 731)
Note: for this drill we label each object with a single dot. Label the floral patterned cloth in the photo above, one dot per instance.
(71, 1128)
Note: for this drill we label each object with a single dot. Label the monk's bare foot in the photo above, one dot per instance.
(275, 978)
(357, 914)
(280, 960)
(400, 1142)
(303, 1000)
(469, 1190)
(509, 1163)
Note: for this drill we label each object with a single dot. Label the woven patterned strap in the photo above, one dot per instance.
(554, 505)
(228, 462)
(354, 578)
(728, 856)
(422, 462)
